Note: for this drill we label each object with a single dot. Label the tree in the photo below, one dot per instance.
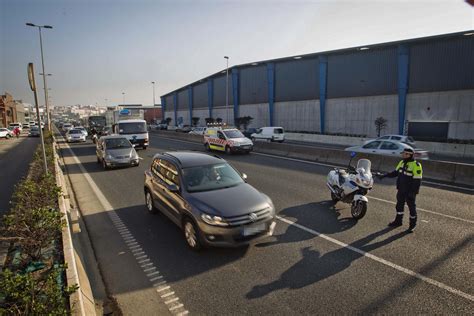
(244, 120)
(168, 120)
(195, 120)
(380, 124)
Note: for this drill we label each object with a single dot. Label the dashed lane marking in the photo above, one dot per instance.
(134, 247)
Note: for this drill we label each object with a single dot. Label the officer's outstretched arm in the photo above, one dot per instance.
(392, 174)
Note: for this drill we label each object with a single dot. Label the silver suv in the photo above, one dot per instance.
(116, 151)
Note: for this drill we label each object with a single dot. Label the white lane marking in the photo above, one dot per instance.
(163, 288)
(427, 211)
(149, 269)
(183, 313)
(141, 257)
(172, 300)
(176, 307)
(118, 224)
(313, 163)
(146, 264)
(380, 260)
(152, 274)
(167, 294)
(136, 247)
(142, 261)
(156, 278)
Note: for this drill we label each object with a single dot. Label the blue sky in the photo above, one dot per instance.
(99, 49)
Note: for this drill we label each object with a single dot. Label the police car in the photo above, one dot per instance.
(228, 140)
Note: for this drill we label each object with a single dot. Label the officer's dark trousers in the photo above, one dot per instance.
(409, 198)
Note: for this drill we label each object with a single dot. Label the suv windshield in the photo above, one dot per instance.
(116, 143)
(132, 128)
(210, 177)
(233, 134)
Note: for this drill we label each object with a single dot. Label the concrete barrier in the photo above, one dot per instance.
(464, 174)
(456, 173)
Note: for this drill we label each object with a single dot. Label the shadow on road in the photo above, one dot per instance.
(323, 216)
(314, 267)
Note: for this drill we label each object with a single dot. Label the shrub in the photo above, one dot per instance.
(34, 293)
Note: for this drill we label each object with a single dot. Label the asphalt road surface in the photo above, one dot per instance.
(15, 157)
(319, 260)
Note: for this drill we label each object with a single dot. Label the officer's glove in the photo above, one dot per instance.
(380, 176)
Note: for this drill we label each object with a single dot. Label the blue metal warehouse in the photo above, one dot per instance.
(423, 87)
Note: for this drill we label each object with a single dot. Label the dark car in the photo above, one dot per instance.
(34, 131)
(248, 132)
(211, 201)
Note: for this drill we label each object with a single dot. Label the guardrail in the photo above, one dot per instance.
(456, 173)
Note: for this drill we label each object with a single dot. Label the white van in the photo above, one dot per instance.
(271, 133)
(134, 130)
(15, 125)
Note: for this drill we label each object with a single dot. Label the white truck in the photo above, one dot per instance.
(135, 130)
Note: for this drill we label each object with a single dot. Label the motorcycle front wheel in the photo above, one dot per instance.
(358, 209)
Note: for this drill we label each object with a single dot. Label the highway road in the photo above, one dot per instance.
(15, 157)
(319, 260)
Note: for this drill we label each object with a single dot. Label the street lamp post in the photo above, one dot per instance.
(153, 83)
(123, 98)
(227, 89)
(44, 77)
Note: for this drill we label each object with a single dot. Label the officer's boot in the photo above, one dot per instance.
(397, 222)
(412, 224)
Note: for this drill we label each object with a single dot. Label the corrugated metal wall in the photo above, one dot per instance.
(200, 96)
(363, 73)
(183, 100)
(297, 80)
(169, 103)
(253, 85)
(442, 65)
(219, 90)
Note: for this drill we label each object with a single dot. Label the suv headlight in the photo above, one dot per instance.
(109, 156)
(213, 220)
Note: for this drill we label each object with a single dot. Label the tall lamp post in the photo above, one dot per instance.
(153, 83)
(123, 98)
(44, 77)
(227, 88)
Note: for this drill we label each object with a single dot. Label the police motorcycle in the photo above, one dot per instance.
(351, 186)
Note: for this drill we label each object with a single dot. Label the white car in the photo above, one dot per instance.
(399, 138)
(388, 148)
(67, 127)
(15, 125)
(5, 133)
(75, 135)
(198, 130)
(271, 133)
(83, 129)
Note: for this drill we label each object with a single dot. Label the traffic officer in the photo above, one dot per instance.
(409, 173)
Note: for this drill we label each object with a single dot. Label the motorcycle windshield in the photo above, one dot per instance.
(364, 164)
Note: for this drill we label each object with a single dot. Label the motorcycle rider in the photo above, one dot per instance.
(409, 173)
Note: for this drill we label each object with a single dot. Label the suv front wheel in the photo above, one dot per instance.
(191, 234)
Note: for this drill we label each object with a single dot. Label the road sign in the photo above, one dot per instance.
(31, 77)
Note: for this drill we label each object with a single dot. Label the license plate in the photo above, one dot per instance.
(252, 230)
